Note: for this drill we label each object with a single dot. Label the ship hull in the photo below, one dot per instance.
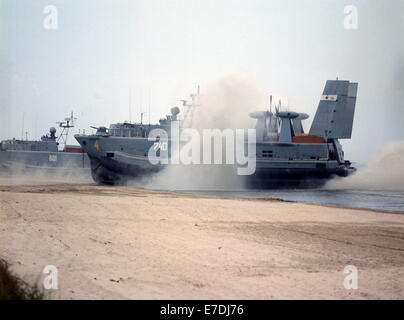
(22, 161)
(115, 160)
(111, 172)
(273, 175)
(295, 177)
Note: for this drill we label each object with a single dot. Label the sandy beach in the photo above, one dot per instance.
(130, 243)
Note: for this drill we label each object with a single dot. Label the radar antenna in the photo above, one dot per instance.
(65, 125)
(190, 108)
(278, 109)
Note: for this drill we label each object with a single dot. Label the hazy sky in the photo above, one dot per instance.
(105, 49)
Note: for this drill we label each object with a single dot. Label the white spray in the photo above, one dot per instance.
(385, 172)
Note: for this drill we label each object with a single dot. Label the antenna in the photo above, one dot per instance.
(22, 129)
(130, 105)
(190, 108)
(149, 104)
(270, 103)
(65, 125)
(278, 109)
(140, 105)
(35, 124)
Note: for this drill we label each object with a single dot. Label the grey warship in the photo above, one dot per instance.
(285, 155)
(18, 155)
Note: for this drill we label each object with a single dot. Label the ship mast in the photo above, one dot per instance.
(190, 108)
(65, 125)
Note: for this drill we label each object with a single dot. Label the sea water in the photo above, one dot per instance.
(367, 199)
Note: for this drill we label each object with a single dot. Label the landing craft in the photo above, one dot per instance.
(51, 153)
(120, 152)
(291, 157)
(285, 155)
